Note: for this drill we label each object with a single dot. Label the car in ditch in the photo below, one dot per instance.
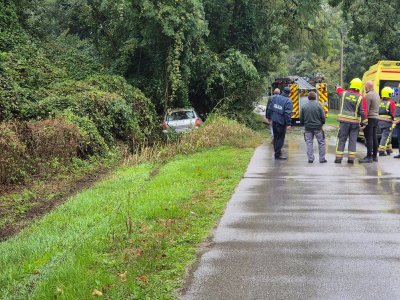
(181, 120)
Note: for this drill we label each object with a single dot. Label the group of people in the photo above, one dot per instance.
(356, 112)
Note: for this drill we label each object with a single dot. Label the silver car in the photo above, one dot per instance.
(181, 120)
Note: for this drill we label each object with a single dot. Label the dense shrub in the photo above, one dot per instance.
(118, 110)
(74, 56)
(13, 158)
(23, 71)
(92, 142)
(52, 139)
(41, 146)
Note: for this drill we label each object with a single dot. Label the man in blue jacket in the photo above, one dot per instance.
(279, 112)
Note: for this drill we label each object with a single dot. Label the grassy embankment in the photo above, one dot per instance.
(133, 235)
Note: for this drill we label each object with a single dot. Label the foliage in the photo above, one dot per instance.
(13, 154)
(32, 147)
(366, 38)
(118, 110)
(228, 83)
(92, 142)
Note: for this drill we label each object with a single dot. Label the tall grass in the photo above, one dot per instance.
(217, 131)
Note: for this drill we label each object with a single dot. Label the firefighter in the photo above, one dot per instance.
(385, 123)
(397, 122)
(353, 111)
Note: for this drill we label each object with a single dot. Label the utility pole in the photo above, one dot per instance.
(341, 56)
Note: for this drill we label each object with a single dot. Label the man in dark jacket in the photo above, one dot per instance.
(276, 92)
(312, 116)
(279, 112)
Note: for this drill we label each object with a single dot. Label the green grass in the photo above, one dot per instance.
(55, 183)
(130, 237)
(331, 119)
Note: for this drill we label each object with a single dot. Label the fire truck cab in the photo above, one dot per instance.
(299, 89)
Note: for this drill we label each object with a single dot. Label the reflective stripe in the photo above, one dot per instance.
(385, 118)
(349, 116)
(384, 111)
(357, 121)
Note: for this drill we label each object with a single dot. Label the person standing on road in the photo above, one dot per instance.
(312, 116)
(397, 122)
(385, 123)
(276, 92)
(353, 111)
(370, 131)
(279, 112)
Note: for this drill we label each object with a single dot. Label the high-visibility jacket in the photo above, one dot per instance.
(353, 107)
(397, 113)
(386, 110)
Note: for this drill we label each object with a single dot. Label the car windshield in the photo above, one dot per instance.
(180, 115)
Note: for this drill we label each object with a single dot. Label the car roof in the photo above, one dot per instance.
(178, 109)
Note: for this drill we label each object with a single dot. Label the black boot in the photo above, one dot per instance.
(367, 159)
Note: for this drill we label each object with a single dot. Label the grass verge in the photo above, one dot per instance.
(20, 205)
(331, 119)
(129, 237)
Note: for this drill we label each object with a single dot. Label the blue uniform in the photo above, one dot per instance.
(280, 112)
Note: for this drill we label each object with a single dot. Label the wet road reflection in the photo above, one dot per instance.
(295, 230)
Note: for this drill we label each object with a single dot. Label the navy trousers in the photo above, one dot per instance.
(279, 137)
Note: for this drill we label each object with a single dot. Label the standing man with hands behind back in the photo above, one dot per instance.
(370, 131)
(312, 116)
(279, 111)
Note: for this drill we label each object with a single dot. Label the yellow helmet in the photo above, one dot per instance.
(356, 84)
(386, 92)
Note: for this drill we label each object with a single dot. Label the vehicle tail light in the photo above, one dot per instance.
(164, 125)
(197, 122)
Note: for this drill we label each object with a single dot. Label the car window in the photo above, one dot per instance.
(180, 115)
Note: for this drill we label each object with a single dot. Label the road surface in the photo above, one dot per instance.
(295, 230)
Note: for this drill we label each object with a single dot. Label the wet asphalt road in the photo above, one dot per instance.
(294, 230)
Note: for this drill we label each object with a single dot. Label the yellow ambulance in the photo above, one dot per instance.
(384, 73)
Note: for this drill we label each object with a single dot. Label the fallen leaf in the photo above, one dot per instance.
(139, 252)
(123, 276)
(36, 272)
(60, 291)
(97, 293)
(143, 279)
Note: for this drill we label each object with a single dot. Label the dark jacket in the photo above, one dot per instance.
(268, 103)
(312, 116)
(397, 113)
(279, 110)
(353, 107)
